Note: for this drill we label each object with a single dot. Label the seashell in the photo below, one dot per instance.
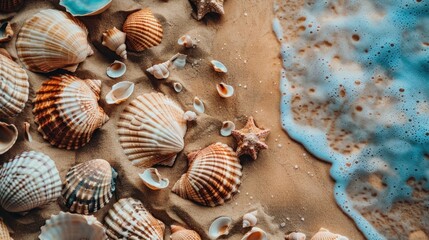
(227, 128)
(249, 219)
(143, 30)
(225, 90)
(27, 135)
(85, 7)
(6, 32)
(114, 39)
(10, 5)
(116, 69)
(199, 105)
(325, 234)
(213, 176)
(185, 41)
(4, 231)
(120, 92)
(180, 61)
(8, 136)
(69, 226)
(218, 66)
(151, 130)
(29, 180)
(255, 234)
(51, 40)
(89, 186)
(190, 116)
(129, 219)
(177, 87)
(67, 111)
(160, 71)
(295, 236)
(181, 233)
(152, 179)
(14, 87)
(219, 227)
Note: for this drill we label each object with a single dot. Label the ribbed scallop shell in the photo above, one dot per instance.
(325, 234)
(213, 176)
(10, 5)
(143, 30)
(28, 181)
(14, 88)
(4, 232)
(151, 130)
(51, 40)
(129, 219)
(114, 39)
(68, 226)
(67, 111)
(89, 186)
(181, 233)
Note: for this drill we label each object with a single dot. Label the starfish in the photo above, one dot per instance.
(206, 6)
(250, 139)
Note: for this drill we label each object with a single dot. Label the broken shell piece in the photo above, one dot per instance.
(6, 32)
(225, 90)
(186, 41)
(8, 136)
(152, 179)
(199, 105)
(227, 128)
(177, 87)
(27, 134)
(255, 234)
(249, 219)
(120, 92)
(114, 39)
(190, 116)
(218, 66)
(295, 236)
(86, 7)
(180, 61)
(325, 234)
(219, 227)
(116, 69)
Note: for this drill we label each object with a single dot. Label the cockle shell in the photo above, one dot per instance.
(114, 39)
(255, 234)
(143, 30)
(295, 236)
(6, 32)
(116, 69)
(181, 233)
(69, 226)
(151, 130)
(129, 219)
(160, 71)
(29, 180)
(218, 66)
(67, 111)
(153, 180)
(325, 234)
(227, 128)
(219, 227)
(89, 186)
(8, 136)
(213, 176)
(10, 5)
(85, 7)
(4, 231)
(185, 41)
(51, 40)
(249, 219)
(190, 116)
(199, 105)
(225, 90)
(120, 92)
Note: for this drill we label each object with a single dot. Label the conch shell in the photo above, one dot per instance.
(160, 71)
(181, 233)
(249, 219)
(10, 5)
(6, 32)
(325, 234)
(114, 39)
(8, 136)
(255, 234)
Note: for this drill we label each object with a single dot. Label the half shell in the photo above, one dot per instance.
(219, 227)
(10, 5)
(4, 231)
(295, 236)
(199, 105)
(325, 234)
(120, 92)
(250, 219)
(86, 7)
(218, 66)
(185, 41)
(181, 233)
(255, 234)
(225, 90)
(6, 32)
(152, 179)
(116, 69)
(114, 39)
(8, 136)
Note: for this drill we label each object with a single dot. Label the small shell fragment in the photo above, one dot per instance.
(295, 236)
(199, 105)
(180, 61)
(225, 90)
(120, 92)
(8, 136)
(227, 128)
(255, 234)
(116, 69)
(186, 41)
(249, 219)
(219, 227)
(152, 179)
(190, 116)
(177, 87)
(218, 66)
(6, 32)
(27, 134)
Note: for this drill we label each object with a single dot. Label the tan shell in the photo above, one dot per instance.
(51, 40)
(114, 39)
(181, 233)
(129, 219)
(10, 5)
(325, 234)
(6, 32)
(89, 186)
(67, 111)
(151, 130)
(213, 176)
(4, 231)
(255, 234)
(8, 136)
(295, 236)
(250, 219)
(160, 71)
(28, 181)
(143, 30)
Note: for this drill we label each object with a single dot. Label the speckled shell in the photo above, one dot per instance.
(143, 30)
(67, 111)
(114, 39)
(151, 130)
(28, 181)
(68, 226)
(213, 176)
(10, 5)
(89, 186)
(51, 40)
(181, 233)
(14, 87)
(325, 234)
(4, 232)
(128, 219)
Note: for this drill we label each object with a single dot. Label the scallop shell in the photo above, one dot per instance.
(85, 7)
(213, 175)
(68, 226)
(28, 181)
(120, 92)
(190, 116)
(219, 227)
(218, 66)
(116, 69)
(325, 234)
(227, 128)
(181, 233)
(114, 39)
(199, 105)
(27, 134)
(249, 219)
(143, 30)
(8, 136)
(295, 236)
(151, 130)
(14, 87)
(186, 41)
(67, 111)
(4, 231)
(152, 179)
(51, 40)
(225, 90)
(89, 186)
(255, 234)
(129, 219)
(10, 5)
(6, 32)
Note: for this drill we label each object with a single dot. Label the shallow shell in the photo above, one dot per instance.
(180, 61)
(178, 87)
(250, 219)
(227, 128)
(4, 231)
(295, 236)
(153, 180)
(181, 233)
(219, 227)
(114, 39)
(185, 41)
(120, 92)
(255, 234)
(225, 90)
(8, 136)
(218, 66)
(6, 32)
(325, 234)
(199, 105)
(10, 5)
(85, 7)
(116, 69)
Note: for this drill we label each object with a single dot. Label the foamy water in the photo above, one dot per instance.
(355, 85)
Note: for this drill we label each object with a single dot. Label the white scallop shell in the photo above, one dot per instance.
(120, 92)
(249, 219)
(199, 105)
(227, 128)
(218, 66)
(325, 234)
(153, 180)
(255, 234)
(295, 236)
(190, 116)
(116, 69)
(177, 87)
(180, 61)
(8, 136)
(185, 41)
(219, 227)
(114, 39)
(225, 90)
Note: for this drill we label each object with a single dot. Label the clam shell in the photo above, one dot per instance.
(8, 136)
(4, 231)
(10, 5)
(160, 71)
(68, 226)
(29, 180)
(151, 130)
(219, 227)
(199, 105)
(249, 219)
(116, 69)
(129, 219)
(89, 186)
(67, 111)
(295, 236)
(6, 32)
(51, 40)
(152, 179)
(143, 30)
(178, 87)
(114, 39)
(190, 116)
(218, 66)
(185, 41)
(213, 176)
(85, 7)
(255, 234)
(227, 128)
(225, 90)
(325, 234)
(120, 92)
(181, 233)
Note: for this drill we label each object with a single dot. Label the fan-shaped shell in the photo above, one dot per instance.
(213, 176)
(86, 7)
(325, 234)
(129, 219)
(10, 5)
(68, 226)
(151, 130)
(181, 233)
(114, 39)
(51, 40)
(28, 181)
(67, 111)
(89, 186)
(143, 30)
(8, 136)
(4, 232)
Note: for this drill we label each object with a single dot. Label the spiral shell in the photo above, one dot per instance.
(10, 5)
(213, 176)
(89, 186)
(28, 181)
(4, 232)
(8, 136)
(151, 130)
(143, 30)
(181, 233)
(51, 40)
(129, 219)
(67, 111)
(114, 39)
(250, 219)
(325, 234)
(160, 71)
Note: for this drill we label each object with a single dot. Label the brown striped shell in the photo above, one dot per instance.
(143, 30)
(213, 176)
(10, 5)
(89, 186)
(181, 233)
(325, 234)
(129, 219)
(4, 231)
